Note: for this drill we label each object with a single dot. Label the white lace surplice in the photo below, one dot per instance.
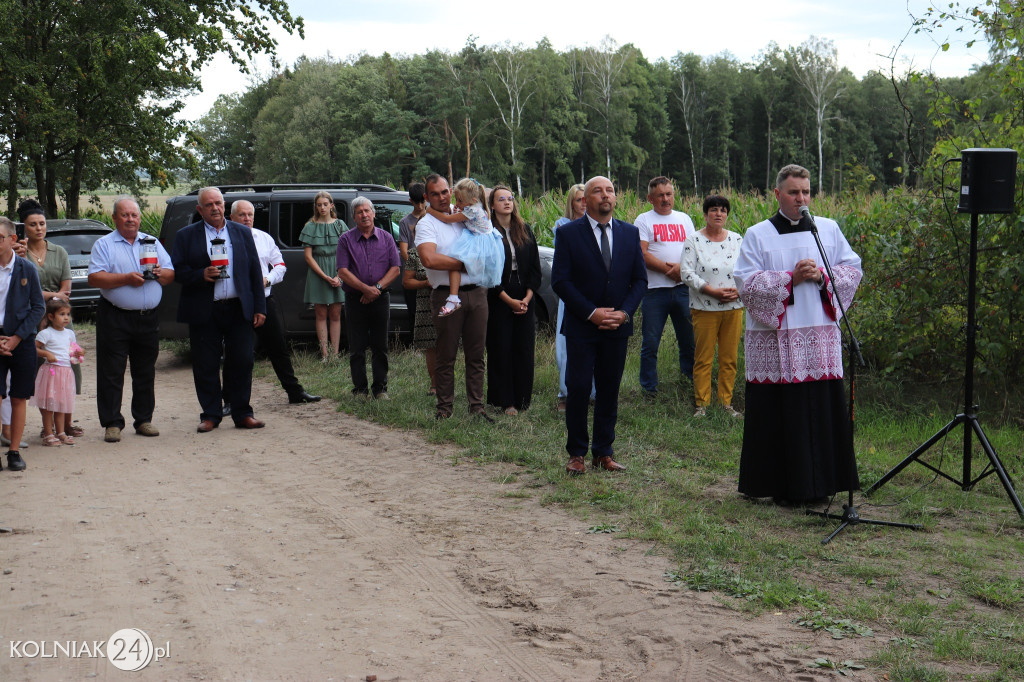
(793, 342)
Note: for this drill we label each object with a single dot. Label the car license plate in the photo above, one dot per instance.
(79, 273)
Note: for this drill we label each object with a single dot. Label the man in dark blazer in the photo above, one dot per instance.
(220, 312)
(599, 273)
(20, 312)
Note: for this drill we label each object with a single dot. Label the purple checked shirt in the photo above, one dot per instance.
(368, 259)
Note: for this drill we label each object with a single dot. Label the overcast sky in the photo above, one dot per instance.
(865, 33)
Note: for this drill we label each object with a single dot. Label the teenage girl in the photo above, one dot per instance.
(319, 238)
(55, 383)
(478, 247)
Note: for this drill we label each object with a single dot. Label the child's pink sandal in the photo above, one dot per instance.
(446, 311)
(51, 441)
(65, 439)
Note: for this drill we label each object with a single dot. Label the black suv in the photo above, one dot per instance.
(282, 211)
(77, 236)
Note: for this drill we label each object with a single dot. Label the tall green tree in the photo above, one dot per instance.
(94, 88)
(770, 71)
(511, 86)
(299, 131)
(555, 121)
(704, 95)
(649, 108)
(815, 65)
(227, 157)
(608, 99)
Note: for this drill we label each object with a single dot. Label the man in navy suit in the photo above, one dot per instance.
(599, 273)
(220, 312)
(21, 308)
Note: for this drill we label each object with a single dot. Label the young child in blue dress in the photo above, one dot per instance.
(55, 382)
(478, 247)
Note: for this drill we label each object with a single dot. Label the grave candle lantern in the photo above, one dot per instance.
(220, 257)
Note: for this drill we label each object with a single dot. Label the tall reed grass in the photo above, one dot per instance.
(853, 212)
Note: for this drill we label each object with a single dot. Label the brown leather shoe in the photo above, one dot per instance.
(249, 423)
(206, 426)
(608, 464)
(575, 467)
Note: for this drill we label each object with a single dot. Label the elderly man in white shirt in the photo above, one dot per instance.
(271, 332)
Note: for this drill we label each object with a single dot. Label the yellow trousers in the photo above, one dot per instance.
(722, 328)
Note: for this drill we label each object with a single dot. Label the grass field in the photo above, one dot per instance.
(944, 603)
(155, 199)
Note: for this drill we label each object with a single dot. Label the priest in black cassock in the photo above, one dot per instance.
(796, 434)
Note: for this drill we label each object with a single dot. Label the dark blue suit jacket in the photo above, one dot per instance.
(190, 258)
(580, 280)
(25, 305)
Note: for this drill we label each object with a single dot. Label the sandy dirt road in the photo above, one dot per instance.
(327, 548)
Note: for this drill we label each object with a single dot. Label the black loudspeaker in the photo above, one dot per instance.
(987, 180)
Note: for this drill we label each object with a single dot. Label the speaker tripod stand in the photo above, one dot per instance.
(968, 418)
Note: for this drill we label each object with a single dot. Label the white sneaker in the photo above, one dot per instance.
(701, 411)
(729, 410)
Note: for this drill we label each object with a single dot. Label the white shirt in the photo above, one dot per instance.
(665, 235)
(430, 230)
(5, 286)
(271, 261)
(58, 343)
(711, 263)
(115, 254)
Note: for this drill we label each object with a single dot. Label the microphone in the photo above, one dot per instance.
(806, 213)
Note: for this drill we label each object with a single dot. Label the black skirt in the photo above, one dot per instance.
(796, 441)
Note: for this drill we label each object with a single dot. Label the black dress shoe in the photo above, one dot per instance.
(14, 461)
(484, 416)
(303, 398)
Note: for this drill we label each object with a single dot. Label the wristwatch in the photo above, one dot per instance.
(378, 287)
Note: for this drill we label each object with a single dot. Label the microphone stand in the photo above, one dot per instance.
(849, 517)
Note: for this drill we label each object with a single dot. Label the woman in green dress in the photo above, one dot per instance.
(323, 286)
(54, 269)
